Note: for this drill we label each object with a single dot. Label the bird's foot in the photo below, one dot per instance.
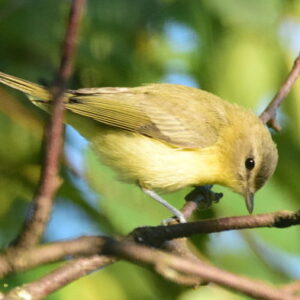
(203, 196)
(174, 220)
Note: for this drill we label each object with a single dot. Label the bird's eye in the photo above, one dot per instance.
(250, 163)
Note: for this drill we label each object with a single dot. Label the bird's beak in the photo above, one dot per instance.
(249, 198)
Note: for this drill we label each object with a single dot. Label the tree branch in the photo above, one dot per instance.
(178, 268)
(268, 116)
(173, 264)
(49, 181)
(58, 278)
(173, 267)
(14, 259)
(293, 287)
(155, 236)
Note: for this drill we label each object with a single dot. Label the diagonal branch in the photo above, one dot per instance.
(49, 181)
(58, 278)
(16, 260)
(268, 116)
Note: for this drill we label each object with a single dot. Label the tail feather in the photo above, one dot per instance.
(35, 91)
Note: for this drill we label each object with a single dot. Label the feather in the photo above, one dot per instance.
(143, 110)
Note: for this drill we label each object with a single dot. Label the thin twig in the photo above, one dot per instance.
(60, 277)
(49, 181)
(16, 260)
(268, 116)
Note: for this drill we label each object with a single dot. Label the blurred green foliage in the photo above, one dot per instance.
(238, 49)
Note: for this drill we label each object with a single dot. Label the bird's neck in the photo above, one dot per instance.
(211, 170)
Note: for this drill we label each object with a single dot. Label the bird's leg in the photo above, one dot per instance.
(166, 204)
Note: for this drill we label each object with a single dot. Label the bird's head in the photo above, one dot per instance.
(253, 157)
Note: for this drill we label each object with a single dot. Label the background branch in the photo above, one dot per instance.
(293, 287)
(175, 268)
(17, 260)
(161, 260)
(268, 116)
(49, 181)
(60, 277)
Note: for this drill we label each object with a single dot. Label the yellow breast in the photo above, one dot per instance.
(155, 164)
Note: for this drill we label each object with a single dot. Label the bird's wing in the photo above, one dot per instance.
(156, 110)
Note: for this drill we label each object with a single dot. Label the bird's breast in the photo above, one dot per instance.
(155, 164)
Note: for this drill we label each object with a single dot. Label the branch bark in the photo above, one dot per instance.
(158, 234)
(14, 259)
(268, 116)
(18, 260)
(181, 268)
(161, 260)
(60, 277)
(49, 181)
(293, 287)
(171, 266)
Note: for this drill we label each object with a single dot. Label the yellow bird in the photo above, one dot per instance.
(165, 137)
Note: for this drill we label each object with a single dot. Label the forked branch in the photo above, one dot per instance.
(268, 116)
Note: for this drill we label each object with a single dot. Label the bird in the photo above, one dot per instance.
(164, 137)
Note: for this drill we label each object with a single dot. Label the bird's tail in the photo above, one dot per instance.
(33, 90)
